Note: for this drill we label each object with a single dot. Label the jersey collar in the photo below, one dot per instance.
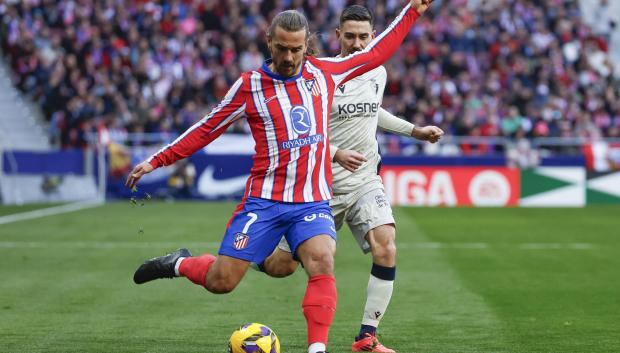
(277, 76)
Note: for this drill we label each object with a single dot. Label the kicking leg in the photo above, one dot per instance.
(248, 236)
(225, 273)
(218, 275)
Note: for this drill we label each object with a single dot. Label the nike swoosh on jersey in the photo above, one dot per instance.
(267, 100)
(210, 187)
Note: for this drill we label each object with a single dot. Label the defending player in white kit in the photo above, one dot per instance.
(359, 196)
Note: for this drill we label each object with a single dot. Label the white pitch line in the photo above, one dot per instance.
(555, 246)
(434, 245)
(51, 211)
(482, 246)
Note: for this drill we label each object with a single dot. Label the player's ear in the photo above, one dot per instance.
(338, 33)
(374, 33)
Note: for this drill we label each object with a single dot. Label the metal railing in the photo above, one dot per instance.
(499, 142)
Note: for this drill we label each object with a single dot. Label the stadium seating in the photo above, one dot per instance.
(496, 68)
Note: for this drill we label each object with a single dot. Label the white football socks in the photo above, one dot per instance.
(316, 347)
(377, 300)
(177, 265)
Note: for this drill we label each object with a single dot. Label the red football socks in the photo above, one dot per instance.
(196, 268)
(319, 306)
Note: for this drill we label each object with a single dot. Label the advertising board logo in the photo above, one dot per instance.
(489, 188)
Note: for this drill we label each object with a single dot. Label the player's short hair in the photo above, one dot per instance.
(290, 21)
(356, 13)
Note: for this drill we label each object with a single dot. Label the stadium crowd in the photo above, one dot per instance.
(514, 68)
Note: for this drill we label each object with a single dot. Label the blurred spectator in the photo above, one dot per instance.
(181, 180)
(514, 68)
(604, 23)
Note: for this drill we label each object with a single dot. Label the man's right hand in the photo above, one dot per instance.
(421, 5)
(349, 160)
(137, 173)
(429, 133)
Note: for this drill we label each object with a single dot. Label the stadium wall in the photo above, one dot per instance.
(409, 181)
(50, 176)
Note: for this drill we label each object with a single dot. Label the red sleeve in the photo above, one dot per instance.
(376, 53)
(230, 109)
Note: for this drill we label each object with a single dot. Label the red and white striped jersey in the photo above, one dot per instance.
(289, 118)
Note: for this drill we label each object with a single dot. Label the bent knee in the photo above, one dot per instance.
(387, 248)
(384, 252)
(220, 286)
(382, 241)
(321, 262)
(324, 257)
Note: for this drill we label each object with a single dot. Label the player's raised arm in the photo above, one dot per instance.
(380, 49)
(230, 109)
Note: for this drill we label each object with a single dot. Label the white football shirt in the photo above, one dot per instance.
(353, 126)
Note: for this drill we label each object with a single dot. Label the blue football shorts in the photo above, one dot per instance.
(257, 226)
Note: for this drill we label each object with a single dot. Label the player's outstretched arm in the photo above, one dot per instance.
(137, 173)
(230, 109)
(380, 49)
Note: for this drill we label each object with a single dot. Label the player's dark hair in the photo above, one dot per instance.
(356, 13)
(290, 21)
(293, 21)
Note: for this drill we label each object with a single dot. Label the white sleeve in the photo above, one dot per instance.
(332, 151)
(391, 123)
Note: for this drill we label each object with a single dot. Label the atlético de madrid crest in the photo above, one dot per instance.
(313, 87)
(241, 241)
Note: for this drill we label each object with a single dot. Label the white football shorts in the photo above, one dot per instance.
(363, 210)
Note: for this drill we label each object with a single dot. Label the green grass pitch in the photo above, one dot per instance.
(468, 280)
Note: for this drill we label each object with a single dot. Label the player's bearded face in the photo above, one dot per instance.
(354, 36)
(287, 51)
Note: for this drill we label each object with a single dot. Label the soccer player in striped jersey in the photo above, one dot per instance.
(359, 196)
(287, 103)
